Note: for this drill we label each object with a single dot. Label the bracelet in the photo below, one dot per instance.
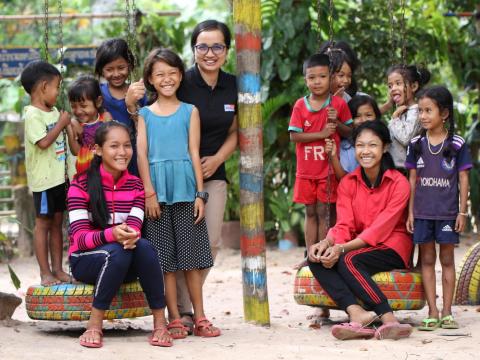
(463, 214)
(135, 113)
(149, 196)
(342, 248)
(328, 242)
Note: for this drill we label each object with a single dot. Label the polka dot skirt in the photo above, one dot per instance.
(181, 245)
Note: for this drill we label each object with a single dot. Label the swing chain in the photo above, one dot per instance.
(404, 33)
(60, 34)
(45, 26)
(392, 31)
(330, 21)
(130, 14)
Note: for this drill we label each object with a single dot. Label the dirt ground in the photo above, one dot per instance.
(288, 337)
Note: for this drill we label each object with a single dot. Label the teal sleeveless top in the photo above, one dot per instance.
(171, 169)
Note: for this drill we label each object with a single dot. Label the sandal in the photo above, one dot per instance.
(157, 342)
(429, 324)
(92, 344)
(205, 328)
(352, 330)
(181, 331)
(393, 331)
(448, 322)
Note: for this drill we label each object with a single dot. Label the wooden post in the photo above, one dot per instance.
(247, 20)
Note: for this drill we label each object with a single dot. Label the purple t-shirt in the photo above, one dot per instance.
(436, 191)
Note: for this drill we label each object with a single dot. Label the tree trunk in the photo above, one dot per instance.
(247, 20)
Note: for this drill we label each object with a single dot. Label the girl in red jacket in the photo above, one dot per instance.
(369, 237)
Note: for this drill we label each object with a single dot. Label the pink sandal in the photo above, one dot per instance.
(90, 344)
(352, 330)
(177, 324)
(204, 328)
(393, 331)
(164, 331)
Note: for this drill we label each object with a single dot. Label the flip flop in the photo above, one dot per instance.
(92, 345)
(429, 324)
(177, 324)
(158, 342)
(393, 331)
(352, 330)
(204, 328)
(448, 322)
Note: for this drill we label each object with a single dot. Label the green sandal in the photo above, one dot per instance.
(429, 324)
(448, 322)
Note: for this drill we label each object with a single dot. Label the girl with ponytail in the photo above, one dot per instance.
(438, 161)
(368, 237)
(106, 207)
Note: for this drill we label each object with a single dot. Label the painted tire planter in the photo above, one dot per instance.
(74, 302)
(403, 289)
(468, 278)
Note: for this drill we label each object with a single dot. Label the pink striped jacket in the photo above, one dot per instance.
(125, 201)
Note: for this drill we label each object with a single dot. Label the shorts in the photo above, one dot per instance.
(441, 231)
(50, 201)
(311, 191)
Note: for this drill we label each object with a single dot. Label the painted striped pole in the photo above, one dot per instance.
(247, 19)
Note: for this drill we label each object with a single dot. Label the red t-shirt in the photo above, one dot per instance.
(312, 161)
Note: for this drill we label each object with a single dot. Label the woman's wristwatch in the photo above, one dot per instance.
(202, 195)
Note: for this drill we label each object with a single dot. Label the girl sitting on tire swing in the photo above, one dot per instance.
(106, 208)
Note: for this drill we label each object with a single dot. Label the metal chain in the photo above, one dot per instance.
(404, 33)
(62, 86)
(392, 32)
(319, 22)
(45, 26)
(330, 21)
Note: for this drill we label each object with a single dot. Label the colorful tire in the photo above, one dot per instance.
(403, 289)
(74, 302)
(468, 278)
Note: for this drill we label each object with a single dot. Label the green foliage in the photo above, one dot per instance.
(14, 277)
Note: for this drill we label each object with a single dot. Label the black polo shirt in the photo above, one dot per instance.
(216, 106)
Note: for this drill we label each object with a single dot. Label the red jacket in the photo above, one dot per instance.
(377, 216)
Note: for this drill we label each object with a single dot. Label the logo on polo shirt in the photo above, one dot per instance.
(307, 123)
(447, 228)
(420, 163)
(229, 107)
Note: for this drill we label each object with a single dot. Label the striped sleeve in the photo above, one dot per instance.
(135, 217)
(84, 235)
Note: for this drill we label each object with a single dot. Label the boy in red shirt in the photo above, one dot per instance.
(316, 117)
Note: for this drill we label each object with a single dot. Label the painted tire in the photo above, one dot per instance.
(74, 302)
(468, 283)
(403, 289)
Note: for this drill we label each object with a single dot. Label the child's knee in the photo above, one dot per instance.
(447, 259)
(43, 223)
(311, 211)
(322, 210)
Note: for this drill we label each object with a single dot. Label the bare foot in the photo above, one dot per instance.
(62, 276)
(318, 318)
(301, 264)
(48, 280)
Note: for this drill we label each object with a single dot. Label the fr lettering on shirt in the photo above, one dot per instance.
(315, 153)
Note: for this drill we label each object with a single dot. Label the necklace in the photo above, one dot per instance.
(441, 146)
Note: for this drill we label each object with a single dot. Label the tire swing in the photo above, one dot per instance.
(403, 288)
(74, 301)
(468, 278)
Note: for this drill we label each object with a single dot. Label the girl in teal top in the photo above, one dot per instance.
(168, 142)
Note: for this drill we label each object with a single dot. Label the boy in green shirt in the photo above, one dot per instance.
(45, 151)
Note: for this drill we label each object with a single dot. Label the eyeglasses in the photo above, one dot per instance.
(217, 49)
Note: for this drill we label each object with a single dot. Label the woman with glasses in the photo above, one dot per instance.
(214, 94)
